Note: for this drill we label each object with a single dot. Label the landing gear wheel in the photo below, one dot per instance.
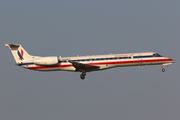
(163, 70)
(82, 76)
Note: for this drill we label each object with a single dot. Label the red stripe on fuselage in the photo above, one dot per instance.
(105, 63)
(135, 61)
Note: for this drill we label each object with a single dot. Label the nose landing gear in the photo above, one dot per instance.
(163, 70)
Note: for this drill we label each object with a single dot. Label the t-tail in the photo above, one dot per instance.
(19, 53)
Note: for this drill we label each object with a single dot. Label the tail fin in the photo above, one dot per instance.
(19, 52)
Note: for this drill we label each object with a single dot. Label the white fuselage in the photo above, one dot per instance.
(85, 64)
(103, 61)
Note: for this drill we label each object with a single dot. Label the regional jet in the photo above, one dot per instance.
(85, 64)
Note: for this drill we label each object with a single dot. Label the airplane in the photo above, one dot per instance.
(85, 64)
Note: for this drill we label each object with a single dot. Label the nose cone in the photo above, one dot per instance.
(172, 60)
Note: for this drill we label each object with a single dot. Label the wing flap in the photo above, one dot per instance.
(82, 67)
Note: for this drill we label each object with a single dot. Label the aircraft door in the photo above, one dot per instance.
(91, 60)
(157, 55)
(139, 59)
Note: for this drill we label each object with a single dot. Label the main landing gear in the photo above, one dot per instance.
(82, 76)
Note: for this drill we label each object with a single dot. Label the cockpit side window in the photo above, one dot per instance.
(157, 55)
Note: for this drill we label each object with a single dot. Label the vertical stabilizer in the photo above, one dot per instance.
(19, 52)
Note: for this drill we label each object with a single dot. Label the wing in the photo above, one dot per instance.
(84, 67)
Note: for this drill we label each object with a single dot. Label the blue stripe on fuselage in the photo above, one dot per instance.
(26, 63)
(81, 60)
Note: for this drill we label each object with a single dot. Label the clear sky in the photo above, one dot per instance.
(90, 27)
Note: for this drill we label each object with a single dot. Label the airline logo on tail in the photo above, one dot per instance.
(21, 54)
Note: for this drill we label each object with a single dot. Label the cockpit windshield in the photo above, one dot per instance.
(157, 55)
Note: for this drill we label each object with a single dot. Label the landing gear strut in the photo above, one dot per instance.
(82, 76)
(163, 70)
(165, 65)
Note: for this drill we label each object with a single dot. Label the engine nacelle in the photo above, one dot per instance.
(47, 61)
